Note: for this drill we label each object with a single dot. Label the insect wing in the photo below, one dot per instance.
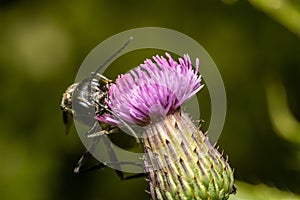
(68, 121)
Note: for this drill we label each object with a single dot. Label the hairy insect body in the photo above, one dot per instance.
(84, 100)
(66, 102)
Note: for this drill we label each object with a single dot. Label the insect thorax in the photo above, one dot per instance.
(84, 99)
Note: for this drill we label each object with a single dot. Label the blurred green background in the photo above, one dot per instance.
(255, 44)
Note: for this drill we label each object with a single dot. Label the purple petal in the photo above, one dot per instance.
(152, 89)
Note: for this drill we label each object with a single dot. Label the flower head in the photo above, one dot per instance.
(180, 161)
(153, 89)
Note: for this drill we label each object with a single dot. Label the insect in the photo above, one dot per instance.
(82, 102)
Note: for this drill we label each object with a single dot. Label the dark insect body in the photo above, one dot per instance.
(85, 100)
(82, 101)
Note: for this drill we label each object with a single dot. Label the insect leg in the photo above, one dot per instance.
(87, 155)
(93, 132)
(118, 164)
(126, 125)
(103, 132)
(120, 174)
(128, 177)
(105, 108)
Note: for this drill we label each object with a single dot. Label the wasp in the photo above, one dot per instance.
(83, 101)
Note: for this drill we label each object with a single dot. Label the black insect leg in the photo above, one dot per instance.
(87, 155)
(121, 174)
(117, 164)
(128, 177)
(94, 133)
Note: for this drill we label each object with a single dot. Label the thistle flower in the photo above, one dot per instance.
(181, 163)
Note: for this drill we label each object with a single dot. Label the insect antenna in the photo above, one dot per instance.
(109, 60)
